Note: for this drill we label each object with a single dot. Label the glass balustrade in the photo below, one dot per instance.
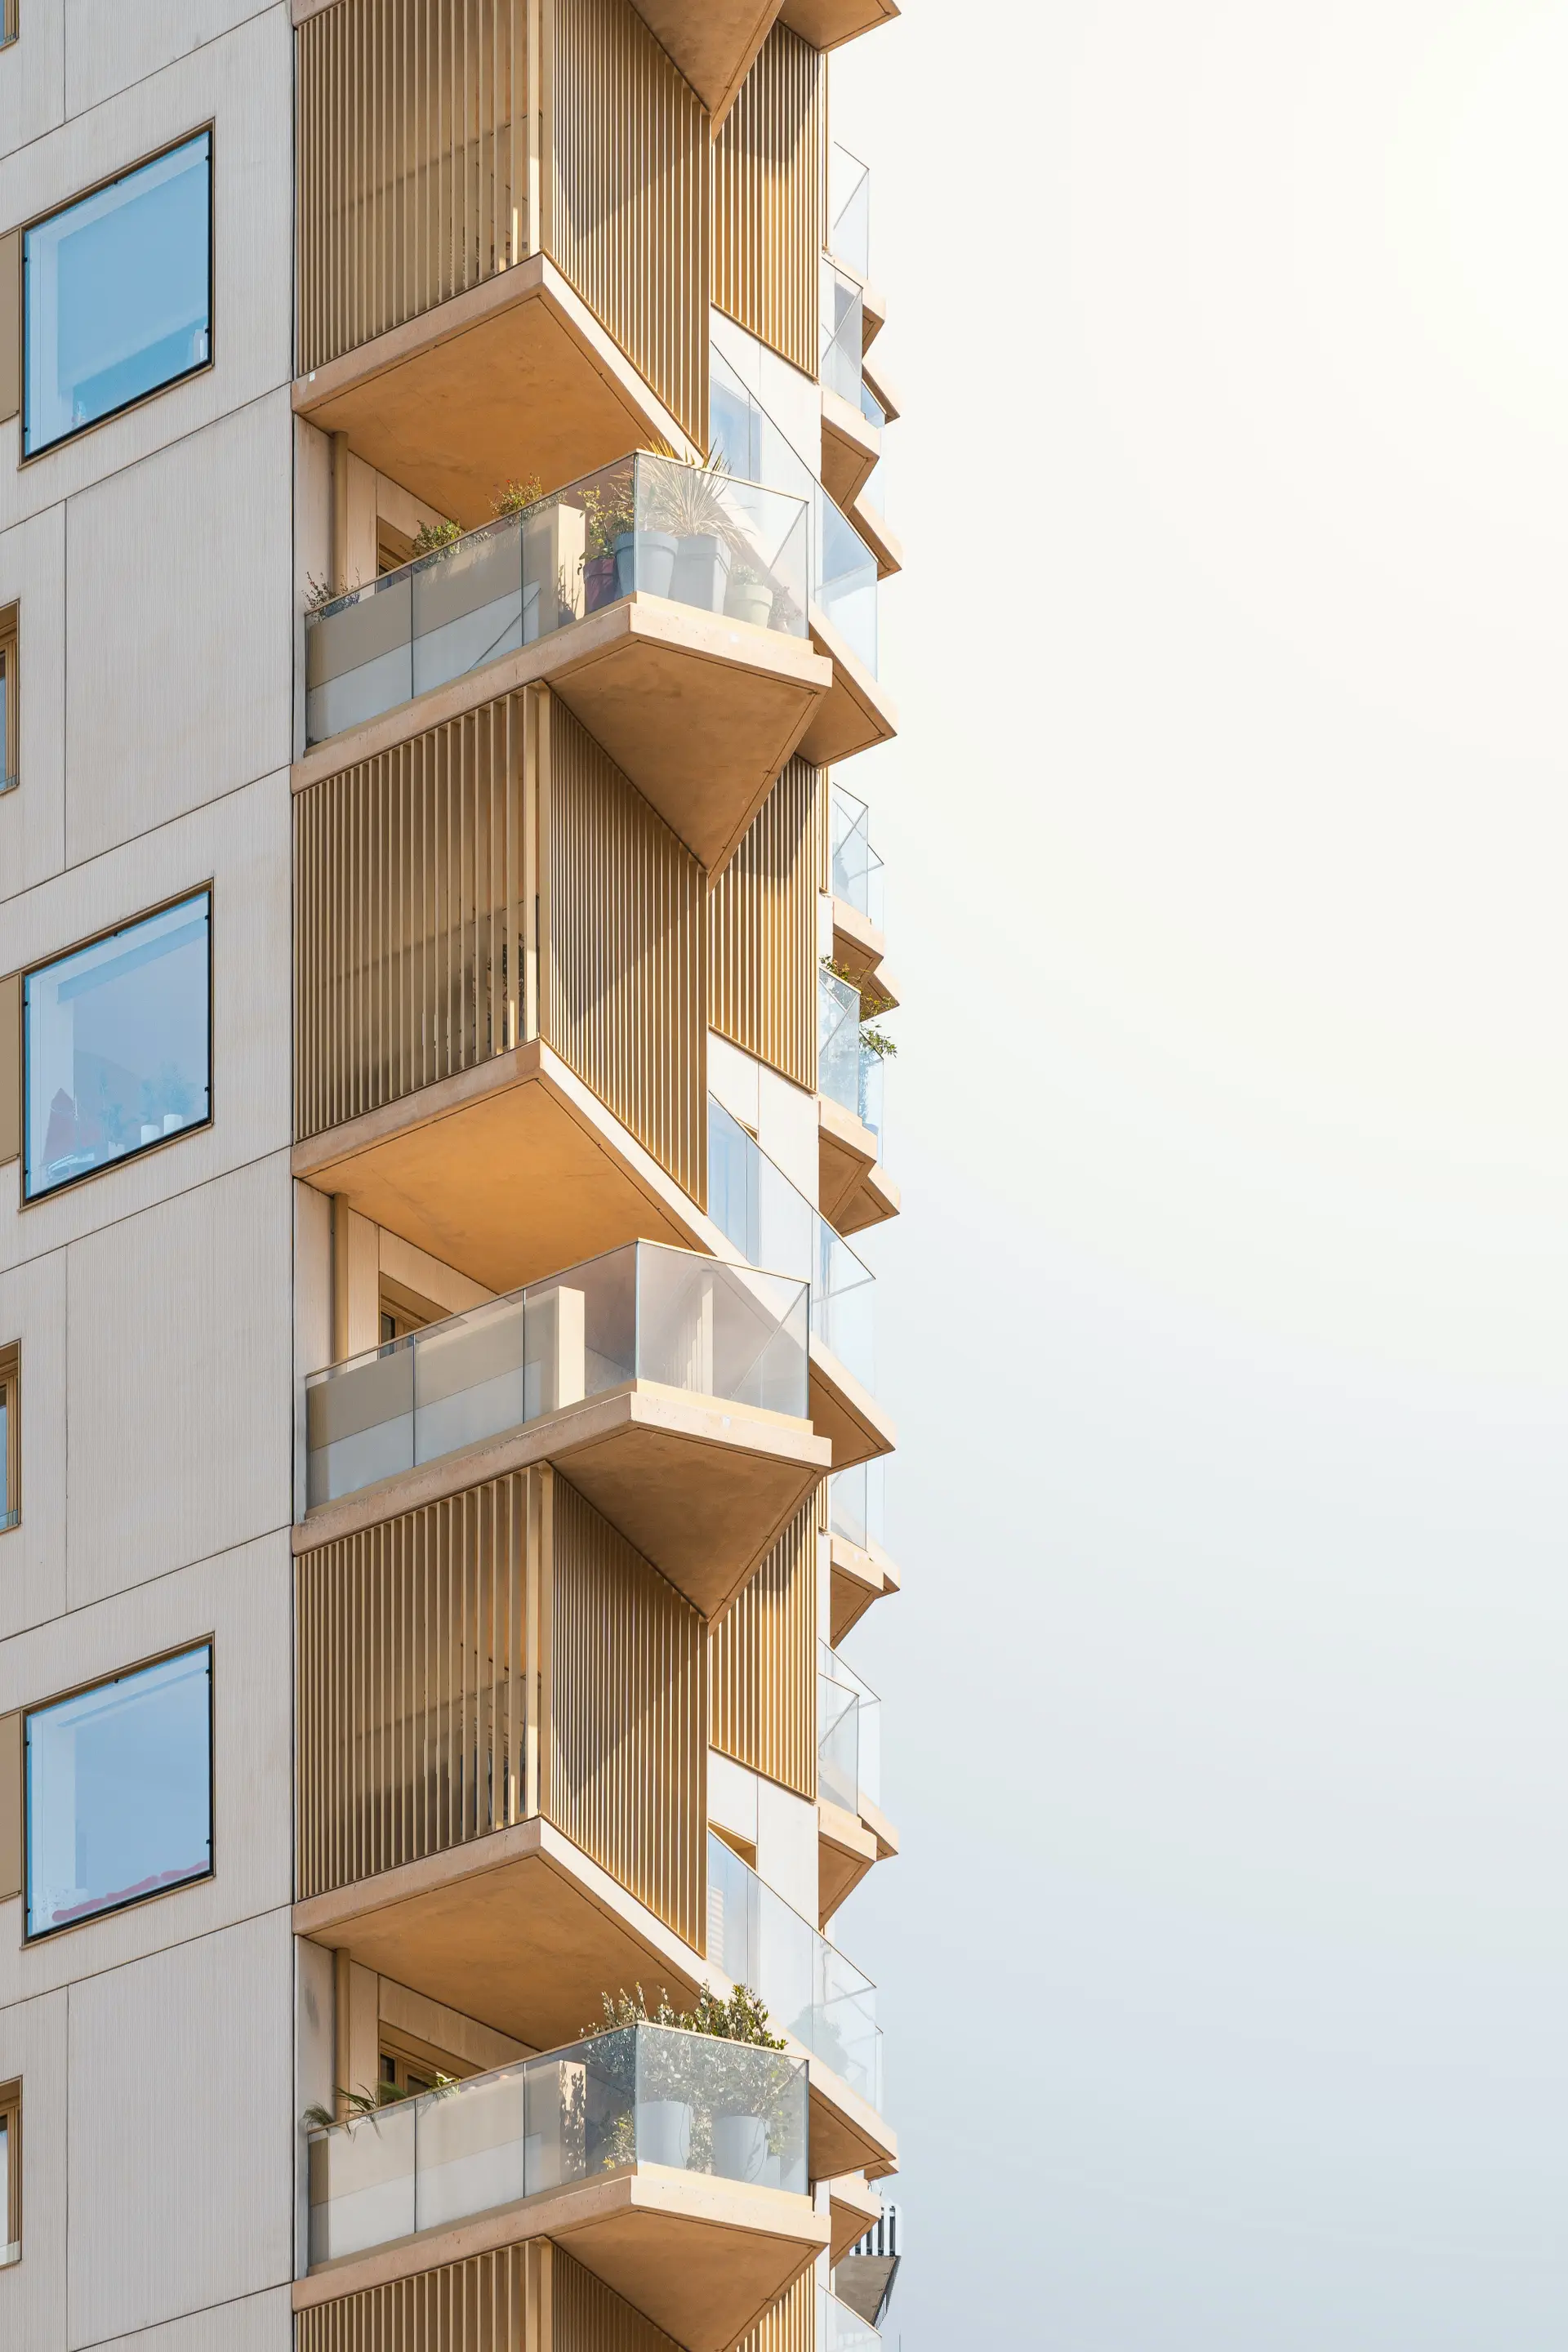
(646, 526)
(849, 209)
(844, 581)
(848, 1734)
(642, 2094)
(841, 335)
(839, 2329)
(848, 1071)
(856, 1504)
(753, 1204)
(856, 870)
(644, 1312)
(810, 1990)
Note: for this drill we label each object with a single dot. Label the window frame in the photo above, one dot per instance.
(11, 657)
(158, 1142)
(11, 2217)
(31, 1936)
(112, 178)
(11, 1389)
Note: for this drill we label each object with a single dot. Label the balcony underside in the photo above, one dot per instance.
(845, 1413)
(885, 544)
(701, 1488)
(854, 1189)
(714, 43)
(702, 2258)
(828, 23)
(514, 378)
(701, 711)
(854, 715)
(447, 1166)
(854, 2207)
(848, 1847)
(880, 387)
(851, 445)
(858, 951)
(859, 1577)
(520, 1928)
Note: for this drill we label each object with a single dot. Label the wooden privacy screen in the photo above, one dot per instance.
(589, 2317)
(417, 875)
(419, 1642)
(623, 1764)
(789, 2327)
(770, 201)
(413, 161)
(762, 930)
(762, 1663)
(528, 2298)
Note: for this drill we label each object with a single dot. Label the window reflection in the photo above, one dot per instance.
(119, 1792)
(117, 1043)
(116, 294)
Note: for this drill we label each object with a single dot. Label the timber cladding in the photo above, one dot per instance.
(762, 1663)
(770, 201)
(789, 2326)
(589, 2317)
(419, 1642)
(495, 880)
(529, 2298)
(761, 929)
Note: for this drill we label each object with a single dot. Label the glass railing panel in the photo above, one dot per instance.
(754, 1204)
(857, 1502)
(845, 583)
(842, 335)
(843, 1305)
(839, 1040)
(644, 1312)
(871, 1091)
(849, 209)
(858, 873)
(645, 525)
(871, 408)
(643, 2094)
(839, 2329)
(849, 1721)
(810, 1990)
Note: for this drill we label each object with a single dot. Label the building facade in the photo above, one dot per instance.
(440, 1096)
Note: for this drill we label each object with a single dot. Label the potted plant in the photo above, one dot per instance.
(751, 594)
(688, 500)
(610, 518)
(733, 2113)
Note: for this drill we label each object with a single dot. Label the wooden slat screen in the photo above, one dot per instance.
(412, 169)
(411, 1686)
(622, 936)
(761, 1664)
(491, 2302)
(589, 2317)
(769, 199)
(627, 195)
(789, 2327)
(762, 930)
(410, 901)
(624, 1760)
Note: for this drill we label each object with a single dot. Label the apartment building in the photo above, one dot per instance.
(439, 1100)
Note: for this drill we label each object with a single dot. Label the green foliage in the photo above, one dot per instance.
(516, 497)
(365, 2106)
(743, 2018)
(611, 514)
(431, 538)
(873, 1040)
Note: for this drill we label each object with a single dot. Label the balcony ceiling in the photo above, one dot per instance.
(847, 1414)
(853, 1187)
(827, 24)
(851, 445)
(714, 43)
(856, 715)
(858, 1579)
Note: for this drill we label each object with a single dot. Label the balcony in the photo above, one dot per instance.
(672, 1390)
(852, 1185)
(672, 2166)
(841, 2329)
(770, 1223)
(856, 884)
(814, 1995)
(861, 1571)
(852, 1834)
(851, 426)
(667, 606)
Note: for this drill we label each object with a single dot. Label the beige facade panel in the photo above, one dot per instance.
(624, 1744)
(770, 182)
(413, 161)
(789, 2326)
(623, 984)
(628, 194)
(761, 1664)
(763, 930)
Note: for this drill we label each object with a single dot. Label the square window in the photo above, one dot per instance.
(10, 2173)
(117, 295)
(10, 1441)
(117, 1046)
(119, 1792)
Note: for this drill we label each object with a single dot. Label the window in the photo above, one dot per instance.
(10, 2173)
(117, 1046)
(10, 732)
(117, 295)
(10, 1442)
(119, 1792)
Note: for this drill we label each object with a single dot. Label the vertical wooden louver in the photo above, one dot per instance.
(589, 2317)
(761, 1664)
(410, 1684)
(628, 192)
(762, 930)
(624, 1768)
(413, 163)
(491, 2302)
(409, 910)
(789, 2327)
(622, 940)
(770, 200)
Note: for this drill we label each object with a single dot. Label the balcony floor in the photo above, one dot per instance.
(858, 1578)
(853, 1187)
(851, 445)
(845, 1414)
(856, 715)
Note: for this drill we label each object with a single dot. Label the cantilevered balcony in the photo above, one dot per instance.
(671, 1389)
(861, 1570)
(772, 1224)
(853, 1187)
(672, 2166)
(841, 2329)
(853, 1835)
(667, 606)
(856, 883)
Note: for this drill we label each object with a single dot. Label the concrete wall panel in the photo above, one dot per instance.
(33, 77)
(261, 2323)
(33, 2042)
(108, 46)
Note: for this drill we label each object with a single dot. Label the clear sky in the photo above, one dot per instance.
(1227, 1325)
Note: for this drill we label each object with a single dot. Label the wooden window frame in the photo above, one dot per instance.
(11, 1389)
(11, 2219)
(10, 23)
(10, 658)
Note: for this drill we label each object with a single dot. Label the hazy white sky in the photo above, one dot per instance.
(1226, 1972)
